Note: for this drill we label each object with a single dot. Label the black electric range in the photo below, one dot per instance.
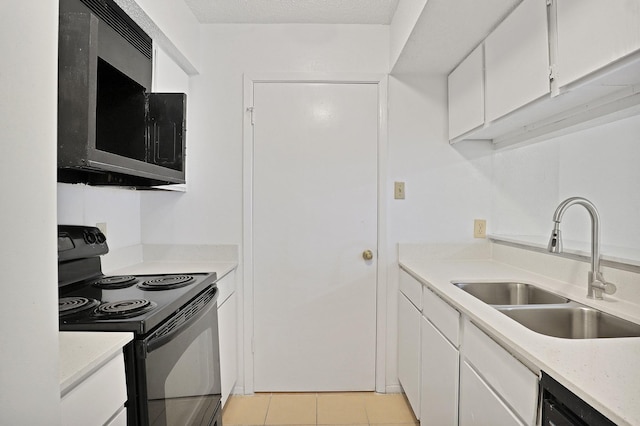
(172, 366)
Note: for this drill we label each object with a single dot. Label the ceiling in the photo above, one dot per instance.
(294, 11)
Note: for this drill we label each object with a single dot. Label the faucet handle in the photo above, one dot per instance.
(608, 288)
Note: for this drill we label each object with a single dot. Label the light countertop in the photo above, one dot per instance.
(174, 267)
(603, 372)
(82, 353)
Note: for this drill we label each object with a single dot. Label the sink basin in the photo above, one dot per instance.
(509, 293)
(571, 321)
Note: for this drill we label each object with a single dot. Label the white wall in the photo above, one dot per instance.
(29, 383)
(447, 187)
(600, 164)
(89, 205)
(211, 209)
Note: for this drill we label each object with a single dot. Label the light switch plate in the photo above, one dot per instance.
(398, 190)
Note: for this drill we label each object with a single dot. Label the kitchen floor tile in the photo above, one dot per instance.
(246, 410)
(322, 409)
(292, 409)
(387, 409)
(341, 409)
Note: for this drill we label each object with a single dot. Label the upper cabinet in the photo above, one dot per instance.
(594, 33)
(466, 94)
(517, 60)
(549, 68)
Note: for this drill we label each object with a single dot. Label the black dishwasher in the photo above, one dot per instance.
(560, 407)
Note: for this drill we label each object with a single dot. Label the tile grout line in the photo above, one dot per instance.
(266, 413)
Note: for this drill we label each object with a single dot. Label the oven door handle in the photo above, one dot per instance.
(185, 316)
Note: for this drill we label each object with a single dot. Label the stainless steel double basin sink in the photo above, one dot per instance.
(548, 313)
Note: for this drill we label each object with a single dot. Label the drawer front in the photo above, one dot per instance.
(514, 382)
(442, 315)
(96, 399)
(411, 288)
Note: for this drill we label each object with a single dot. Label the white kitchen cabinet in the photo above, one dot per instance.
(466, 94)
(439, 378)
(228, 334)
(439, 361)
(479, 404)
(409, 351)
(510, 380)
(99, 398)
(594, 33)
(517, 60)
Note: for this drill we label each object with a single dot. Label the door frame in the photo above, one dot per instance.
(381, 80)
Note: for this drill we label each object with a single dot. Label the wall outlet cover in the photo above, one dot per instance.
(479, 228)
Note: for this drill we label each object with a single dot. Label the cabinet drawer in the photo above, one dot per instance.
(411, 288)
(442, 315)
(514, 382)
(82, 406)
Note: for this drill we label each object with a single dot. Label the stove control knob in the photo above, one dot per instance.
(101, 238)
(90, 237)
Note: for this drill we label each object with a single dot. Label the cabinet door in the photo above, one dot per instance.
(479, 405)
(514, 382)
(439, 390)
(594, 33)
(517, 60)
(466, 94)
(227, 330)
(409, 351)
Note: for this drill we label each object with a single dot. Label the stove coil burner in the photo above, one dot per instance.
(124, 308)
(120, 281)
(68, 306)
(166, 283)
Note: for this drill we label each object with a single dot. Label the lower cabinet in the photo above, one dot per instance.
(439, 392)
(466, 377)
(81, 406)
(409, 351)
(479, 405)
(511, 381)
(228, 334)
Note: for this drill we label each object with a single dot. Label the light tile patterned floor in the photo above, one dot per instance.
(301, 409)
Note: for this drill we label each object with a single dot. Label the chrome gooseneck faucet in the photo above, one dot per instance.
(596, 284)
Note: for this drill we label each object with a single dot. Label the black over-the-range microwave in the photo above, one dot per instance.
(111, 129)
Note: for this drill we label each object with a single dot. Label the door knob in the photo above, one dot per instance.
(367, 255)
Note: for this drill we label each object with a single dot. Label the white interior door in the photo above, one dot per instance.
(314, 213)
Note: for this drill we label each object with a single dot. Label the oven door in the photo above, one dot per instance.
(178, 372)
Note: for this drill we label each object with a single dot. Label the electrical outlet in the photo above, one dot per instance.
(102, 226)
(479, 228)
(398, 190)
